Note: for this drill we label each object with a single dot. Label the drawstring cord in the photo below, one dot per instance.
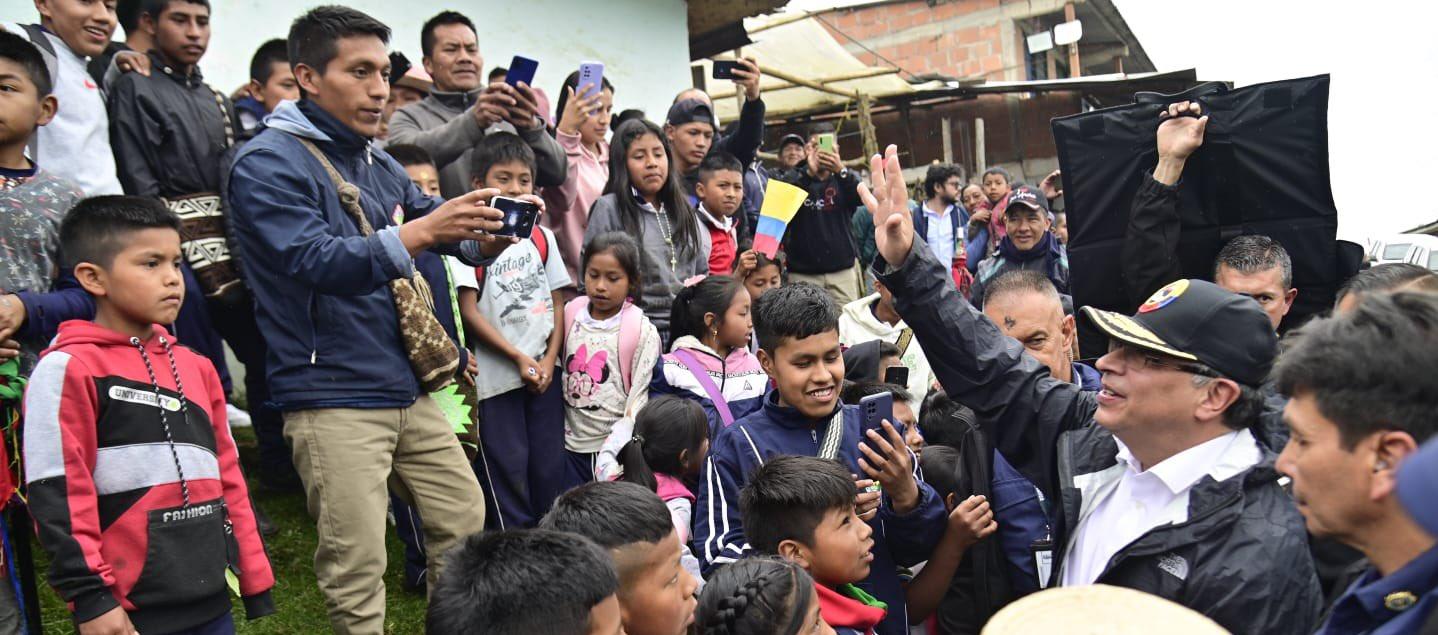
(164, 420)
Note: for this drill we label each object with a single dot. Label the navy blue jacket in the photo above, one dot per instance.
(321, 288)
(44, 311)
(774, 430)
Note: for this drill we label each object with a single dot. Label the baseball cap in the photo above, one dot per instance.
(1027, 197)
(689, 111)
(791, 138)
(1202, 322)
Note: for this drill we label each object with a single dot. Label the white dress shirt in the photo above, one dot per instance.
(1145, 500)
(941, 233)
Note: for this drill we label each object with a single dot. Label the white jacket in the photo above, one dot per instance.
(857, 325)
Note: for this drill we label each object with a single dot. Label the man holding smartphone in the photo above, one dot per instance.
(819, 243)
(693, 130)
(462, 109)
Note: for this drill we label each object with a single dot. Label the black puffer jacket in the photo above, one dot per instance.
(1241, 558)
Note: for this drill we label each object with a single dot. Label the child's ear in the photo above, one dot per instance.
(91, 278)
(765, 362)
(684, 458)
(48, 107)
(951, 501)
(794, 552)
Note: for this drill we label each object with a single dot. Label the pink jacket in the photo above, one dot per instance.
(567, 206)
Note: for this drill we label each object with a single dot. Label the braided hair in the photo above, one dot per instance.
(755, 596)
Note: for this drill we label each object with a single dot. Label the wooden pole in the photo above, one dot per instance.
(947, 127)
(981, 162)
(794, 79)
(1074, 70)
(871, 72)
(866, 126)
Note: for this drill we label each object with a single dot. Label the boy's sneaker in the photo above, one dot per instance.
(238, 418)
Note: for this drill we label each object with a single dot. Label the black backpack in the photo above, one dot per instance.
(1263, 169)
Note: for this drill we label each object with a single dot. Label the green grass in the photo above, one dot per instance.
(300, 606)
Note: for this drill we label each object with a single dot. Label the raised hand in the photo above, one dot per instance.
(577, 110)
(1181, 134)
(887, 198)
(972, 521)
(746, 75)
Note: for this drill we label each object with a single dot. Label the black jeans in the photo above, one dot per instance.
(238, 328)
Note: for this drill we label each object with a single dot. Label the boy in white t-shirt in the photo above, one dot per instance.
(512, 307)
(76, 144)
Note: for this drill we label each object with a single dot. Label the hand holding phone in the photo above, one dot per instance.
(886, 459)
(519, 216)
(827, 142)
(724, 69)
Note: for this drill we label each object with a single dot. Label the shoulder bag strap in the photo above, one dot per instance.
(695, 368)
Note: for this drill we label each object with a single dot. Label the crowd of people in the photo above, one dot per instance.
(630, 420)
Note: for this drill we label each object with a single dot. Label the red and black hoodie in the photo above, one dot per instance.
(135, 484)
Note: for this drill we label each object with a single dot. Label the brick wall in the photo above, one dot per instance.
(959, 38)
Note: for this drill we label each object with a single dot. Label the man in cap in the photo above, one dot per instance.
(1156, 482)
(1364, 387)
(1029, 245)
(693, 130)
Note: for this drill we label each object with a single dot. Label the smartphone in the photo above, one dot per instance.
(519, 216)
(521, 69)
(874, 410)
(724, 69)
(591, 78)
(897, 375)
(826, 142)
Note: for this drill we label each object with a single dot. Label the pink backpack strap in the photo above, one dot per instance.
(572, 310)
(716, 396)
(631, 325)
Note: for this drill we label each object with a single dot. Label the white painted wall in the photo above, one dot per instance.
(644, 44)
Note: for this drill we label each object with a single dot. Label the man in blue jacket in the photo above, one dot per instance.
(798, 331)
(355, 414)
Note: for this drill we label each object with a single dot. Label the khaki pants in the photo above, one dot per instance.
(845, 285)
(347, 459)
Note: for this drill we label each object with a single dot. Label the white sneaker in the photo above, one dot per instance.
(238, 418)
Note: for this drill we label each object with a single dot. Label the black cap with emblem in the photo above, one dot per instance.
(1202, 322)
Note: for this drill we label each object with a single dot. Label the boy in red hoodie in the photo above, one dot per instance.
(134, 480)
(719, 192)
(801, 508)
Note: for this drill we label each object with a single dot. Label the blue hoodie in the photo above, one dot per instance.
(774, 430)
(321, 288)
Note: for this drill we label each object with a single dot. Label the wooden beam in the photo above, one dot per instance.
(864, 74)
(795, 79)
(1074, 69)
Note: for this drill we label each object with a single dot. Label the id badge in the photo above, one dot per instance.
(1043, 551)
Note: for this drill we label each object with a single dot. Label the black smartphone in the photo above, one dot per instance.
(897, 375)
(874, 410)
(724, 69)
(519, 216)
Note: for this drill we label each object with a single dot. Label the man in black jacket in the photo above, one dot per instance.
(1157, 483)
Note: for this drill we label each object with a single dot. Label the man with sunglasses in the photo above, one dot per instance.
(1156, 481)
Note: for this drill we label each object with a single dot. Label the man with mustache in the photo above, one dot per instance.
(462, 108)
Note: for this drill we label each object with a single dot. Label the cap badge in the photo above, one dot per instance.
(1399, 600)
(1164, 296)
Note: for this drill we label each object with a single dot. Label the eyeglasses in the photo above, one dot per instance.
(1154, 360)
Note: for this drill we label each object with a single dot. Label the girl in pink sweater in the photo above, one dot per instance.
(583, 122)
